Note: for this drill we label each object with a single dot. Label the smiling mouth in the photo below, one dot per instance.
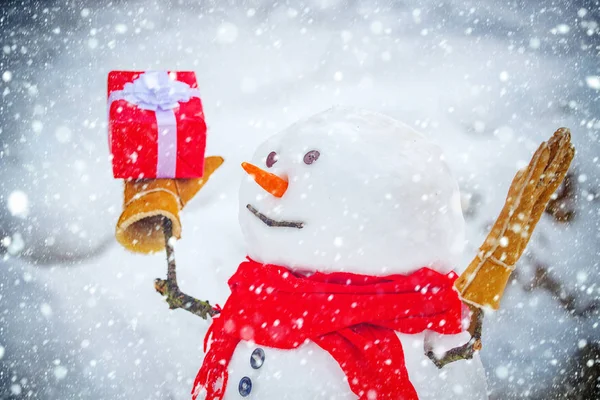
(271, 222)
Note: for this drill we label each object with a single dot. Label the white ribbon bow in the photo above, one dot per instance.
(155, 90)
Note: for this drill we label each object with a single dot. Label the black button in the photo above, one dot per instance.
(245, 386)
(257, 359)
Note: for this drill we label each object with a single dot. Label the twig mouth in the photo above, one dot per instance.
(271, 222)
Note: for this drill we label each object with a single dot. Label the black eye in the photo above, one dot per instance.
(272, 159)
(311, 157)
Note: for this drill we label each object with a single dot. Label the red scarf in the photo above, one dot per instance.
(352, 317)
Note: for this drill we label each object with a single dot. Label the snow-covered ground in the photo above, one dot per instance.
(79, 317)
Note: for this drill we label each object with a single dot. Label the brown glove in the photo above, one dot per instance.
(148, 201)
(483, 282)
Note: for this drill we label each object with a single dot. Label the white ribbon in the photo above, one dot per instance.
(156, 91)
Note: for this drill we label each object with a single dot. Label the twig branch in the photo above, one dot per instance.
(562, 203)
(169, 288)
(545, 281)
(467, 350)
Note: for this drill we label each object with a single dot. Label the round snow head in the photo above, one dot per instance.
(365, 193)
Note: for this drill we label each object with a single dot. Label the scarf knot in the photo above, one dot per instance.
(353, 317)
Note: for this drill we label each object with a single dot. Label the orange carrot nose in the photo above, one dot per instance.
(268, 181)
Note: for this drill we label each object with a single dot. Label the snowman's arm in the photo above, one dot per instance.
(483, 282)
(442, 357)
(169, 288)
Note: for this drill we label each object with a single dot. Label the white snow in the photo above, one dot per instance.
(60, 372)
(15, 389)
(7, 76)
(534, 43)
(502, 372)
(46, 310)
(18, 203)
(121, 28)
(63, 134)
(37, 126)
(562, 29)
(292, 63)
(14, 244)
(227, 33)
(593, 81)
(377, 27)
(93, 43)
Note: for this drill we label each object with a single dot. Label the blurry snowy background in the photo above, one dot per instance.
(79, 317)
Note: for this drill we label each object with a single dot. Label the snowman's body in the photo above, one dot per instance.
(309, 373)
(373, 197)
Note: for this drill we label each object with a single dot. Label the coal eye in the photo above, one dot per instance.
(311, 157)
(272, 159)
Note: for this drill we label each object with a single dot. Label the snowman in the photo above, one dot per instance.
(354, 232)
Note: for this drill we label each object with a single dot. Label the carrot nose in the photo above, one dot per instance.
(268, 181)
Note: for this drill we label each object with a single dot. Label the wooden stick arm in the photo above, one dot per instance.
(161, 227)
(467, 350)
(169, 288)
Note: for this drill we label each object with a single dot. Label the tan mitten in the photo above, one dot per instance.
(483, 282)
(148, 201)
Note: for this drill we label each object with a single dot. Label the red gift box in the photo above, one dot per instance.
(156, 125)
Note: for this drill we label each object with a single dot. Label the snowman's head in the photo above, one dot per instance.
(351, 190)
